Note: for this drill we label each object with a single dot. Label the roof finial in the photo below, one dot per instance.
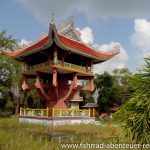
(52, 18)
(71, 19)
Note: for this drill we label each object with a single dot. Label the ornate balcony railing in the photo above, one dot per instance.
(34, 112)
(71, 113)
(58, 62)
(53, 112)
(37, 66)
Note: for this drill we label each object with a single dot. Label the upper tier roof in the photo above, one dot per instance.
(65, 43)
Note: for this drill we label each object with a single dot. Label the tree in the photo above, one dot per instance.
(107, 90)
(135, 114)
(123, 79)
(7, 42)
(9, 75)
(5, 83)
(10, 80)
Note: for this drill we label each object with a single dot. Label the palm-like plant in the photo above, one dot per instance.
(135, 114)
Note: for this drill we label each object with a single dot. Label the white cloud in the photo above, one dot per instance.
(117, 61)
(95, 9)
(24, 42)
(86, 35)
(141, 37)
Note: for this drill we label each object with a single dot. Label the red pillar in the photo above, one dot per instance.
(54, 83)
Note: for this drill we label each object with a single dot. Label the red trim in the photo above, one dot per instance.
(38, 44)
(83, 48)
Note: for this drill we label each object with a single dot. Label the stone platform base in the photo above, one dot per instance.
(57, 120)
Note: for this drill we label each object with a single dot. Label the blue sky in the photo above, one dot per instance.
(108, 22)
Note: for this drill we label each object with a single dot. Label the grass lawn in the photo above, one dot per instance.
(20, 136)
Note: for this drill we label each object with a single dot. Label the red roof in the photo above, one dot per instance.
(76, 46)
(29, 48)
(83, 48)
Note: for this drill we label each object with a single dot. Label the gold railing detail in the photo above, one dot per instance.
(71, 113)
(37, 66)
(33, 112)
(59, 63)
(53, 112)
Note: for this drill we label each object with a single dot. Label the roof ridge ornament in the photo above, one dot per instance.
(68, 30)
(71, 20)
(52, 18)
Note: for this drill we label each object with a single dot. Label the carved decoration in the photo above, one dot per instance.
(68, 30)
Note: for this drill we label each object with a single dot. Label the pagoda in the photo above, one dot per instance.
(56, 63)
